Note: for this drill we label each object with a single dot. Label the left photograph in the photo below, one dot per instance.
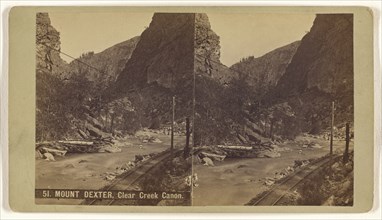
(114, 108)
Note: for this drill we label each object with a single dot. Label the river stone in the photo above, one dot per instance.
(110, 177)
(207, 161)
(272, 154)
(49, 157)
(111, 149)
(157, 140)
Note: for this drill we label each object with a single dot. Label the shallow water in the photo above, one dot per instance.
(237, 181)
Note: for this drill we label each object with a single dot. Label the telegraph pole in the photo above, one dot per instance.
(193, 112)
(172, 123)
(187, 147)
(332, 131)
(347, 139)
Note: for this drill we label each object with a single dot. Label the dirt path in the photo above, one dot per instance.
(237, 181)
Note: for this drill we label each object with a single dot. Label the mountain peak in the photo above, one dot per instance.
(164, 54)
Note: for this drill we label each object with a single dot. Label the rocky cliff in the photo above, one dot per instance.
(107, 64)
(63, 99)
(320, 72)
(170, 51)
(47, 47)
(173, 46)
(324, 60)
(207, 52)
(263, 73)
(296, 85)
(164, 54)
(161, 66)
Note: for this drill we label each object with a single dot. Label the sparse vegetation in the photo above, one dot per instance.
(169, 176)
(333, 185)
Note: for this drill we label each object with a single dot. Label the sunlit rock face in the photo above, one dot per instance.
(48, 46)
(165, 53)
(263, 73)
(321, 71)
(324, 60)
(207, 52)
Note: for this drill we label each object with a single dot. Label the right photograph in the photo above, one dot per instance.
(273, 110)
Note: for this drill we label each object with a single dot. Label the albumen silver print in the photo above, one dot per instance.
(194, 109)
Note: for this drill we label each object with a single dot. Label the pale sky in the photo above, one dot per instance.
(244, 35)
(241, 35)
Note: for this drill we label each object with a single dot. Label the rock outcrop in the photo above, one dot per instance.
(164, 55)
(171, 49)
(161, 66)
(62, 97)
(321, 71)
(263, 73)
(48, 45)
(324, 59)
(107, 64)
(207, 52)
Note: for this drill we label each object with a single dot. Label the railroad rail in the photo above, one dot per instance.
(132, 177)
(274, 196)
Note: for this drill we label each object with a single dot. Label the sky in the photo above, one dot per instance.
(241, 35)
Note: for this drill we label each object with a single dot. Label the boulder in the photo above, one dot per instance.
(304, 163)
(69, 165)
(269, 182)
(187, 180)
(336, 166)
(317, 146)
(254, 127)
(95, 132)
(109, 149)
(279, 176)
(281, 149)
(269, 154)
(119, 172)
(156, 140)
(207, 161)
(49, 157)
(349, 167)
(254, 137)
(330, 201)
(110, 177)
(128, 166)
(138, 158)
(94, 121)
(289, 169)
(195, 180)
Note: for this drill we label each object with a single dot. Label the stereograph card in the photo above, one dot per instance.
(191, 109)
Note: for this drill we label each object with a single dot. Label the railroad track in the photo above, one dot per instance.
(276, 194)
(131, 178)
